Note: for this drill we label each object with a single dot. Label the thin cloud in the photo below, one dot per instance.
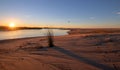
(118, 13)
(92, 17)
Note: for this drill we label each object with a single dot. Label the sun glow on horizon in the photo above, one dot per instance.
(12, 25)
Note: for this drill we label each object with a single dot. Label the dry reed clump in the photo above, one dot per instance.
(50, 38)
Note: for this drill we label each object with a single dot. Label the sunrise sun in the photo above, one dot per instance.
(12, 25)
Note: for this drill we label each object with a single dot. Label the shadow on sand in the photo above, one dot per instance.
(83, 59)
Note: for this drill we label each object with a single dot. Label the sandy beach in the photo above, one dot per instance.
(71, 52)
(59, 34)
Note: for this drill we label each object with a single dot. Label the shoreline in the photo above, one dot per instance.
(8, 40)
(21, 38)
(57, 36)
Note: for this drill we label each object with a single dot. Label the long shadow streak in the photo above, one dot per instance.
(83, 59)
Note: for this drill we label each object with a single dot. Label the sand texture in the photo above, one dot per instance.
(71, 52)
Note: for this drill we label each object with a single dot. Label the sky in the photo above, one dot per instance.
(61, 13)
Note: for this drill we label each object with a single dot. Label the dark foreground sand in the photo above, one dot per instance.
(71, 52)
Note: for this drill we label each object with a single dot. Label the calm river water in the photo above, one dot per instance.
(29, 33)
